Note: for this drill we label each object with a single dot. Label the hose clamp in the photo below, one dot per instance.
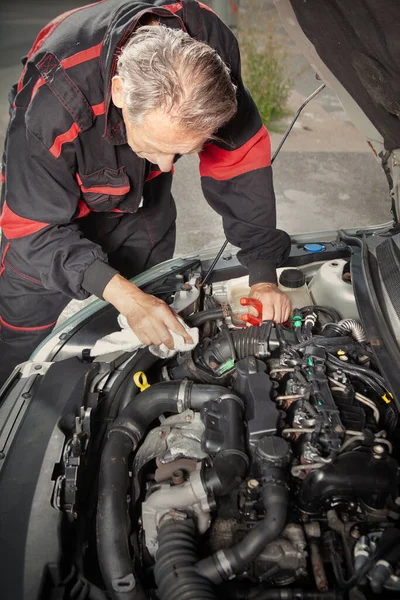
(224, 565)
(182, 403)
(129, 430)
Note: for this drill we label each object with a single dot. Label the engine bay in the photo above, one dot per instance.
(261, 465)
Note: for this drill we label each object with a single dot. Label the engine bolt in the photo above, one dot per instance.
(252, 484)
(355, 533)
(188, 418)
(178, 477)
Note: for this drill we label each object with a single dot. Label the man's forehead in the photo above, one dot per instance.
(159, 144)
(161, 132)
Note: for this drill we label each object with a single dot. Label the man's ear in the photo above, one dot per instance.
(117, 91)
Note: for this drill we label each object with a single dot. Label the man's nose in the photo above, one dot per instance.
(165, 162)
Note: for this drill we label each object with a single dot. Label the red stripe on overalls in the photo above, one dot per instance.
(225, 164)
(3, 259)
(98, 189)
(15, 226)
(72, 133)
(44, 34)
(73, 61)
(14, 328)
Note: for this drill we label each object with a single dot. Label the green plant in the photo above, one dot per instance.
(265, 73)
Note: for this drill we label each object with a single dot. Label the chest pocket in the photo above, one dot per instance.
(104, 190)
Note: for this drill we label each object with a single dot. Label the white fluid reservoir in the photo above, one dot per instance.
(291, 281)
(328, 288)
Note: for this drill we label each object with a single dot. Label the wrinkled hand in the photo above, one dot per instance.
(149, 317)
(276, 305)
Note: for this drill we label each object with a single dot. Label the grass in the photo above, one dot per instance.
(265, 74)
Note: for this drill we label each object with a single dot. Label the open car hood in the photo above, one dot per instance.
(353, 47)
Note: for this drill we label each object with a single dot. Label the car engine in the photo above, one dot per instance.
(261, 465)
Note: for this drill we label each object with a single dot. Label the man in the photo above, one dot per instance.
(110, 94)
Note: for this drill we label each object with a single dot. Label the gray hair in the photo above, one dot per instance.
(166, 68)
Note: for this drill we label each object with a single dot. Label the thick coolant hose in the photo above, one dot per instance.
(169, 396)
(112, 522)
(123, 439)
(224, 564)
(174, 571)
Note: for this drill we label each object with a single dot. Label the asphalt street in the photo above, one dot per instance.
(325, 176)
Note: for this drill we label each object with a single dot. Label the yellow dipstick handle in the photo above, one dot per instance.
(140, 380)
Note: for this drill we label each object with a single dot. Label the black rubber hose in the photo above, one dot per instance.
(230, 561)
(113, 397)
(149, 405)
(112, 520)
(367, 372)
(203, 392)
(174, 571)
(247, 340)
(228, 470)
(369, 381)
(164, 397)
(203, 316)
(383, 548)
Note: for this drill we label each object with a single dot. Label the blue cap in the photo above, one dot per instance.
(314, 248)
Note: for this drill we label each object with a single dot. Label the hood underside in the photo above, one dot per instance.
(359, 44)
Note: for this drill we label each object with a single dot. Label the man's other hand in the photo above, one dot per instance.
(149, 317)
(276, 305)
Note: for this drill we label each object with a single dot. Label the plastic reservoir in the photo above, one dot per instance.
(328, 288)
(234, 289)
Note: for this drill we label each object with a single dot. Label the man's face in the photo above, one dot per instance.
(157, 138)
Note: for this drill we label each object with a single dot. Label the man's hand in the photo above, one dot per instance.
(276, 305)
(149, 317)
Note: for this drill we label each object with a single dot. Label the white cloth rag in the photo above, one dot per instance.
(128, 341)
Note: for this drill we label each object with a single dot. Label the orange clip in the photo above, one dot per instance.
(253, 320)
